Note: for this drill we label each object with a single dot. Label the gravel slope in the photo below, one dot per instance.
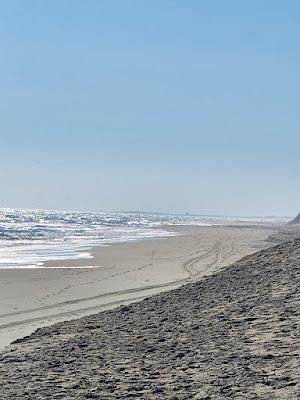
(234, 335)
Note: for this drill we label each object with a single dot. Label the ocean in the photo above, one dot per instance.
(30, 237)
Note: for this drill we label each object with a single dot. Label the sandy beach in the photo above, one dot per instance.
(119, 274)
(149, 208)
(232, 335)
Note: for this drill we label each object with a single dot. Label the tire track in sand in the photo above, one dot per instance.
(194, 267)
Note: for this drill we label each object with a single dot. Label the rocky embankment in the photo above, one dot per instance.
(234, 335)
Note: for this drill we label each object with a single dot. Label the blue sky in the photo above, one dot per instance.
(179, 106)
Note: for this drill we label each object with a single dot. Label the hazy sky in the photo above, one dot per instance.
(180, 106)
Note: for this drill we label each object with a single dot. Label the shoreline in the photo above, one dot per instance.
(84, 250)
(124, 273)
(233, 334)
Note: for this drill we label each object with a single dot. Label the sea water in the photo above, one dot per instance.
(30, 237)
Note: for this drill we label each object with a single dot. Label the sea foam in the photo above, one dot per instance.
(30, 237)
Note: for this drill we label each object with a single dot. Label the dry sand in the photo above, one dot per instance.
(32, 298)
(232, 335)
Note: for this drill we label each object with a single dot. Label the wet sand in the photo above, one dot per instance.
(123, 273)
